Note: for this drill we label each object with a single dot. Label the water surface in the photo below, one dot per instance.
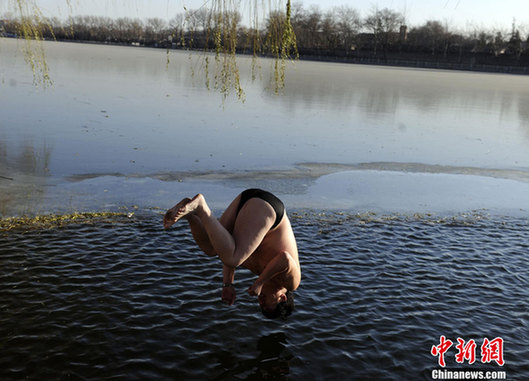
(127, 300)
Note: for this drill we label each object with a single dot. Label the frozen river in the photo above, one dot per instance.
(120, 127)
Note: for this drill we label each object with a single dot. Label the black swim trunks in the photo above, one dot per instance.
(276, 203)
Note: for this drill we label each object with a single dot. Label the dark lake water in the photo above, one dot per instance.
(125, 300)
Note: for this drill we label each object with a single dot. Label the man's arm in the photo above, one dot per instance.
(228, 291)
(285, 268)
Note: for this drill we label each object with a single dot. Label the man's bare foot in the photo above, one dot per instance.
(175, 213)
(182, 209)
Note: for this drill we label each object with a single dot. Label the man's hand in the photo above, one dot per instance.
(255, 289)
(228, 295)
(168, 219)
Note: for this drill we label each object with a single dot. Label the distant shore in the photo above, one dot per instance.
(467, 65)
(477, 63)
(504, 64)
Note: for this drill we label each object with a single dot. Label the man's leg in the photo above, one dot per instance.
(200, 235)
(251, 225)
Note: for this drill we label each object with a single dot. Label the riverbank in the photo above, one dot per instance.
(469, 64)
(485, 63)
(476, 63)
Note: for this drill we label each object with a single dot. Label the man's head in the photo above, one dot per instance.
(278, 304)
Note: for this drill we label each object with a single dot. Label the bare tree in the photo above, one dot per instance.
(330, 37)
(313, 25)
(154, 29)
(432, 35)
(275, 24)
(515, 44)
(385, 25)
(348, 24)
(136, 31)
(176, 28)
(498, 43)
(307, 26)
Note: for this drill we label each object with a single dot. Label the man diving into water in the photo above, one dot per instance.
(253, 232)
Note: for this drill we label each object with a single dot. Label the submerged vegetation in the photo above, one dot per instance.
(51, 221)
(327, 219)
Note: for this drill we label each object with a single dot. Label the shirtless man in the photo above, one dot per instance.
(253, 232)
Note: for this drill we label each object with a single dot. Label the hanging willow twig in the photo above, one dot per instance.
(32, 23)
(222, 33)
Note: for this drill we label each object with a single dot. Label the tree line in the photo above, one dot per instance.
(340, 33)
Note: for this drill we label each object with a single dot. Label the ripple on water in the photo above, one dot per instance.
(131, 301)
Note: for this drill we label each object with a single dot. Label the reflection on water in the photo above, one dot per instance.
(523, 110)
(272, 361)
(23, 177)
(385, 90)
(117, 63)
